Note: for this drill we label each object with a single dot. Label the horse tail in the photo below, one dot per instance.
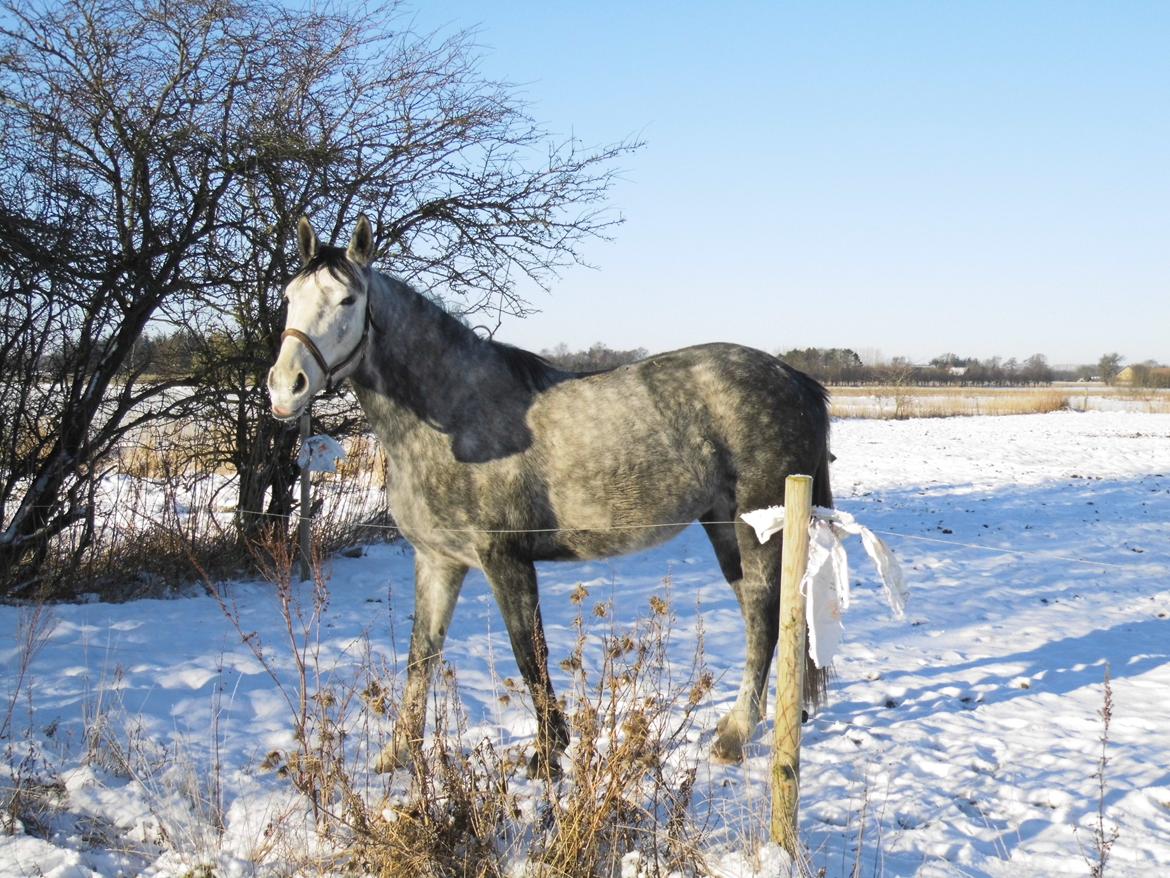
(822, 492)
(816, 680)
(815, 399)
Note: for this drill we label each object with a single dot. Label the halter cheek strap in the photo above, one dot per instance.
(311, 347)
(309, 344)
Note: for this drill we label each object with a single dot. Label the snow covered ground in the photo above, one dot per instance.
(962, 740)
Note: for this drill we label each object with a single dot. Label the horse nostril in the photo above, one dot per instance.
(300, 383)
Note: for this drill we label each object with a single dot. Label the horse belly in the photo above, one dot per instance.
(588, 544)
(625, 491)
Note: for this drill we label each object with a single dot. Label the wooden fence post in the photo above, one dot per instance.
(790, 664)
(304, 520)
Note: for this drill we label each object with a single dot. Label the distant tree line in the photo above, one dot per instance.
(844, 366)
(830, 365)
(595, 358)
(1150, 375)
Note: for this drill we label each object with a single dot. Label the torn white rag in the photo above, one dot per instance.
(826, 578)
(319, 454)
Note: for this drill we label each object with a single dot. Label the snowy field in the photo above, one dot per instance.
(963, 740)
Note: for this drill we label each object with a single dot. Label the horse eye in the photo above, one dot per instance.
(348, 300)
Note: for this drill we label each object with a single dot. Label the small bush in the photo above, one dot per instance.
(468, 810)
(625, 793)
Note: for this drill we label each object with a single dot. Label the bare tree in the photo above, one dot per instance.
(468, 195)
(1109, 366)
(123, 130)
(155, 159)
(1036, 370)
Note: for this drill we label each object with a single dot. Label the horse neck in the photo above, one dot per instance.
(423, 368)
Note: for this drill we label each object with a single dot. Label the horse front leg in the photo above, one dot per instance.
(513, 582)
(437, 583)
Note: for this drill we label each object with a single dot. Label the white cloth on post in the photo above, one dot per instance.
(826, 578)
(319, 454)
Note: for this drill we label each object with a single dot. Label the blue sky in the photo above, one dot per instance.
(909, 178)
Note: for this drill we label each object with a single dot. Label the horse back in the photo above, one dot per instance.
(628, 455)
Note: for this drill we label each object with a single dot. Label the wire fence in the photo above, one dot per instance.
(367, 526)
(680, 525)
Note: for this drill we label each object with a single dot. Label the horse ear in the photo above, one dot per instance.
(306, 240)
(361, 245)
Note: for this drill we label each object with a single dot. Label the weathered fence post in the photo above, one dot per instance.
(304, 518)
(790, 664)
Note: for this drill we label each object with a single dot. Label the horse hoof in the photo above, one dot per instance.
(390, 759)
(727, 749)
(544, 769)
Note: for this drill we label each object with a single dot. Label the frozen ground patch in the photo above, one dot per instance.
(960, 741)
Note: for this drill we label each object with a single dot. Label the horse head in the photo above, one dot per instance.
(328, 323)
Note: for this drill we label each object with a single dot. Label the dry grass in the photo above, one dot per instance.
(35, 440)
(28, 789)
(165, 508)
(894, 402)
(176, 449)
(365, 459)
(900, 402)
(350, 504)
(467, 809)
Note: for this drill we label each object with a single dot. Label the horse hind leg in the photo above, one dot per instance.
(758, 591)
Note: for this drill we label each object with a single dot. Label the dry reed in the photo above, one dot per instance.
(907, 401)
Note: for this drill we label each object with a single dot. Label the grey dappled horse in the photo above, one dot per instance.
(499, 460)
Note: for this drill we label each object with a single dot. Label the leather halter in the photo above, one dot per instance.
(311, 347)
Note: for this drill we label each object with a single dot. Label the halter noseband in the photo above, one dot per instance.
(311, 346)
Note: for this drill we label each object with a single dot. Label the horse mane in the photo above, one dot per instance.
(332, 259)
(531, 370)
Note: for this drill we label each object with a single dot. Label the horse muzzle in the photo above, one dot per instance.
(286, 416)
(290, 389)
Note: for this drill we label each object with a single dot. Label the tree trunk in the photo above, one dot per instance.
(268, 471)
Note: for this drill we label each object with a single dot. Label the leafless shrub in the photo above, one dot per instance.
(1103, 839)
(624, 791)
(29, 790)
(624, 796)
(460, 816)
(155, 160)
